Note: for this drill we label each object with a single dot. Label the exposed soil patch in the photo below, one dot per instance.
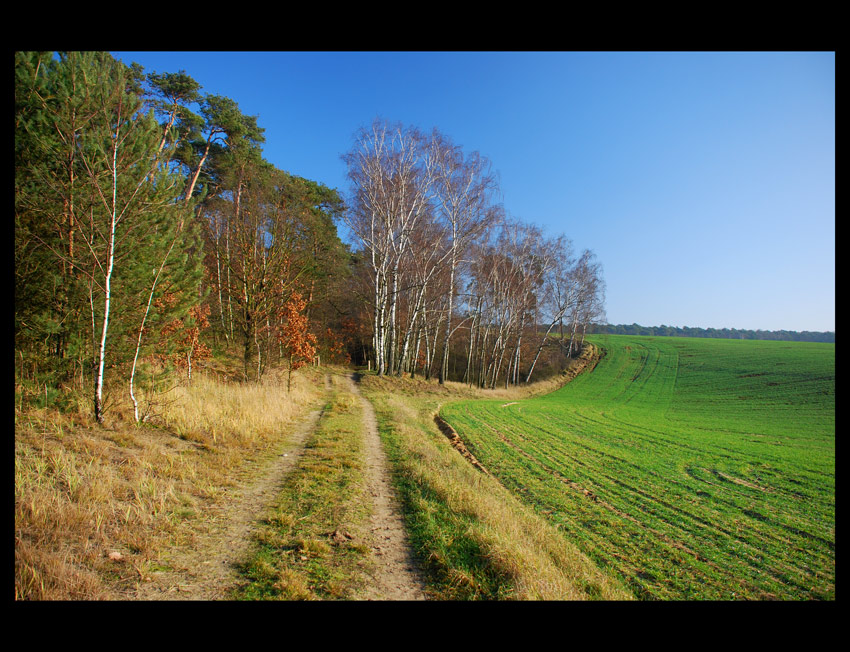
(207, 569)
(588, 359)
(396, 574)
(458, 444)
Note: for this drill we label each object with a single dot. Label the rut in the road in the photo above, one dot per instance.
(208, 570)
(396, 574)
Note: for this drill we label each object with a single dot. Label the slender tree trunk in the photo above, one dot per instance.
(482, 359)
(142, 325)
(392, 322)
(259, 356)
(539, 349)
(98, 388)
(136, 356)
(503, 344)
(416, 354)
(445, 366)
(218, 283)
(376, 323)
(405, 352)
(572, 336)
(168, 126)
(227, 269)
(426, 368)
(310, 296)
(561, 333)
(381, 361)
(67, 268)
(198, 172)
(473, 329)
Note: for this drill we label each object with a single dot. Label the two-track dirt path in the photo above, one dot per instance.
(207, 569)
(396, 575)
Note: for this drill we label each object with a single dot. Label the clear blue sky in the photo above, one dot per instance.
(704, 182)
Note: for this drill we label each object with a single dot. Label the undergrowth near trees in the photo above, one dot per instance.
(95, 506)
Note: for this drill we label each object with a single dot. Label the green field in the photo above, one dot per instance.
(689, 468)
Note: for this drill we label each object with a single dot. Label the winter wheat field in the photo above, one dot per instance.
(690, 468)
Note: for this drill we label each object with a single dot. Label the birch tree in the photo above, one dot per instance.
(391, 176)
(128, 192)
(464, 187)
(559, 291)
(589, 290)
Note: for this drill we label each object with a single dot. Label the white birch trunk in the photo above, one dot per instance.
(444, 366)
(98, 383)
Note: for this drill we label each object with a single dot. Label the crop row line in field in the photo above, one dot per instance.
(538, 451)
(724, 537)
(672, 438)
(705, 528)
(609, 506)
(537, 445)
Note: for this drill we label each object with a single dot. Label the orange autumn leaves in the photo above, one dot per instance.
(295, 337)
(299, 346)
(187, 333)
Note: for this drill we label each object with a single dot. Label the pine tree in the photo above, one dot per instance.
(101, 230)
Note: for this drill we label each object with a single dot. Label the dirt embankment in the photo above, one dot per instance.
(458, 444)
(586, 361)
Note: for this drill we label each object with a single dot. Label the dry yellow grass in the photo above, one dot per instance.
(540, 562)
(533, 559)
(94, 505)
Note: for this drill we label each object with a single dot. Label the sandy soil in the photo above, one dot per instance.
(396, 576)
(208, 570)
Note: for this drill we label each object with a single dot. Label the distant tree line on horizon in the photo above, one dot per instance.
(724, 333)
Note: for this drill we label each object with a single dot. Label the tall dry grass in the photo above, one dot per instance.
(233, 418)
(94, 506)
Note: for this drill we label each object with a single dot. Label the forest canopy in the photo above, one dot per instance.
(152, 234)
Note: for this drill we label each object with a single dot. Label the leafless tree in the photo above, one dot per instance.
(391, 174)
(464, 190)
(442, 258)
(559, 292)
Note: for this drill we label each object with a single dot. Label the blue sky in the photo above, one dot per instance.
(704, 182)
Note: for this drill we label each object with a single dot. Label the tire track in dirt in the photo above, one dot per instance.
(396, 574)
(208, 570)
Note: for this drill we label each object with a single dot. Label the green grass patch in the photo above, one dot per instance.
(313, 544)
(691, 468)
(476, 541)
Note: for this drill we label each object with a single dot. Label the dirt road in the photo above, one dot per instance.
(207, 570)
(396, 575)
